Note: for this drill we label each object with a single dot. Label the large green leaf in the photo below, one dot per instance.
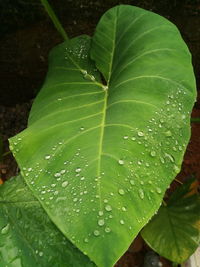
(98, 156)
(175, 231)
(27, 235)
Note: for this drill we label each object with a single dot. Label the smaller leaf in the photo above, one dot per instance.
(174, 232)
(27, 235)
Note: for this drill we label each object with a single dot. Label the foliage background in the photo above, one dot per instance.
(27, 35)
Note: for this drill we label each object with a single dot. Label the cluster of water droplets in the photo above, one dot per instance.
(148, 158)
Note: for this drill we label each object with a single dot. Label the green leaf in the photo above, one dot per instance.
(107, 152)
(174, 232)
(27, 235)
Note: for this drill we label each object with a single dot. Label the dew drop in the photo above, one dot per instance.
(107, 230)
(176, 169)
(158, 190)
(108, 208)
(162, 160)
(140, 134)
(125, 137)
(171, 158)
(141, 193)
(121, 192)
(47, 157)
(62, 171)
(100, 213)
(96, 233)
(123, 209)
(82, 128)
(57, 174)
(121, 162)
(153, 153)
(86, 240)
(121, 221)
(78, 170)
(133, 138)
(101, 222)
(64, 184)
(132, 182)
(168, 133)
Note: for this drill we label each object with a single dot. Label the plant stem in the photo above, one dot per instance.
(54, 19)
(195, 119)
(178, 181)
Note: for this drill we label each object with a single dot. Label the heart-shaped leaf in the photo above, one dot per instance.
(99, 156)
(175, 231)
(27, 235)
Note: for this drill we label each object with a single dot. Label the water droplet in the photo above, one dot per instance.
(62, 171)
(78, 170)
(168, 133)
(96, 233)
(162, 160)
(64, 184)
(133, 138)
(40, 253)
(121, 221)
(108, 208)
(132, 182)
(140, 134)
(171, 158)
(47, 157)
(82, 128)
(176, 169)
(121, 162)
(141, 193)
(121, 192)
(107, 230)
(5, 229)
(125, 137)
(57, 174)
(158, 190)
(100, 213)
(153, 153)
(86, 240)
(101, 222)
(123, 209)
(75, 199)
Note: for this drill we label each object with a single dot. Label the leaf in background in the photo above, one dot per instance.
(174, 232)
(99, 157)
(27, 235)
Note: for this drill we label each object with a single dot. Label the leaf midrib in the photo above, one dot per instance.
(103, 123)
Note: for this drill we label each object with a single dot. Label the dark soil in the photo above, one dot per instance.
(24, 45)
